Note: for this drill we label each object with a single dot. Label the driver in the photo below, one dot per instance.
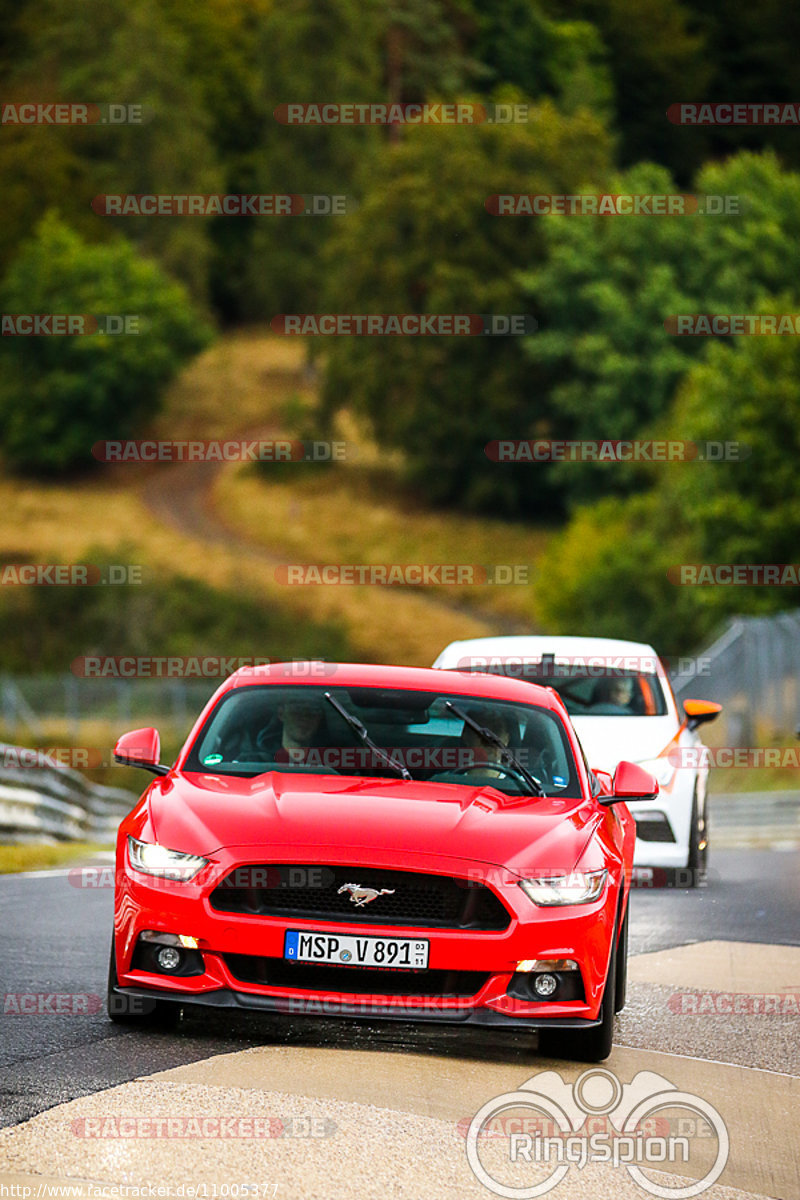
(301, 719)
(484, 755)
(613, 695)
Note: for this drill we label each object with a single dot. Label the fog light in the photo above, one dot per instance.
(168, 958)
(544, 985)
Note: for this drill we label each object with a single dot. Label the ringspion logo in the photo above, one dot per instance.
(647, 1123)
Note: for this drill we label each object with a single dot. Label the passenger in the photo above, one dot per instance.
(612, 696)
(302, 725)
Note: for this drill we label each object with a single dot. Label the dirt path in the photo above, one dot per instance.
(181, 495)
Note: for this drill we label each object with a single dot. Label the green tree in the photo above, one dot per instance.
(606, 284)
(60, 394)
(423, 242)
(517, 43)
(608, 570)
(125, 54)
(657, 56)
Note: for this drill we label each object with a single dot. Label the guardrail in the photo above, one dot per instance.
(45, 800)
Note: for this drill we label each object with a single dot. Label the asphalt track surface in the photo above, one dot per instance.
(54, 939)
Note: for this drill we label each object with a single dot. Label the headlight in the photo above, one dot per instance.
(152, 859)
(581, 887)
(661, 769)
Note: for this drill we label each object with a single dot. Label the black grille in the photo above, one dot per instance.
(654, 829)
(276, 972)
(310, 891)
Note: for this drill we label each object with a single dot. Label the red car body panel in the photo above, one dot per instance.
(467, 833)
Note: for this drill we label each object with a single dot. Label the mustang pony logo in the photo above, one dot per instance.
(363, 895)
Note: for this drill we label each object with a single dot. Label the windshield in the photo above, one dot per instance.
(587, 689)
(306, 729)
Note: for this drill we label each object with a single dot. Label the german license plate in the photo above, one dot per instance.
(347, 950)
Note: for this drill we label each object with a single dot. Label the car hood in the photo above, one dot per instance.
(334, 816)
(608, 740)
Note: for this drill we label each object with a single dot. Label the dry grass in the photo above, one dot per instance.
(37, 856)
(248, 381)
(241, 382)
(53, 523)
(345, 515)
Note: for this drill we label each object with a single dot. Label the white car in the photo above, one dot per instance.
(620, 701)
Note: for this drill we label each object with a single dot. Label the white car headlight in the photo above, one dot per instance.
(581, 887)
(152, 859)
(662, 770)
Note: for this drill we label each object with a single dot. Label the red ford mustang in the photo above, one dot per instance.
(371, 841)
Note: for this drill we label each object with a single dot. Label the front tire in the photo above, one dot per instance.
(697, 862)
(124, 1009)
(586, 1045)
(621, 981)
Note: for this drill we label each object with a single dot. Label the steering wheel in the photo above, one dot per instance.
(503, 771)
(484, 768)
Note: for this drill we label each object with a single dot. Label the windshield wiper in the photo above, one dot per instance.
(494, 739)
(360, 729)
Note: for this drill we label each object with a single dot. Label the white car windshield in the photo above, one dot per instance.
(587, 690)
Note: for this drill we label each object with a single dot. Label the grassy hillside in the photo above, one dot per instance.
(230, 535)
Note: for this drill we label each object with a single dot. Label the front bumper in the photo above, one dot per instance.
(363, 1010)
(581, 932)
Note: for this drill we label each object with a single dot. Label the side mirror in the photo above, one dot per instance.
(631, 783)
(699, 712)
(140, 748)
